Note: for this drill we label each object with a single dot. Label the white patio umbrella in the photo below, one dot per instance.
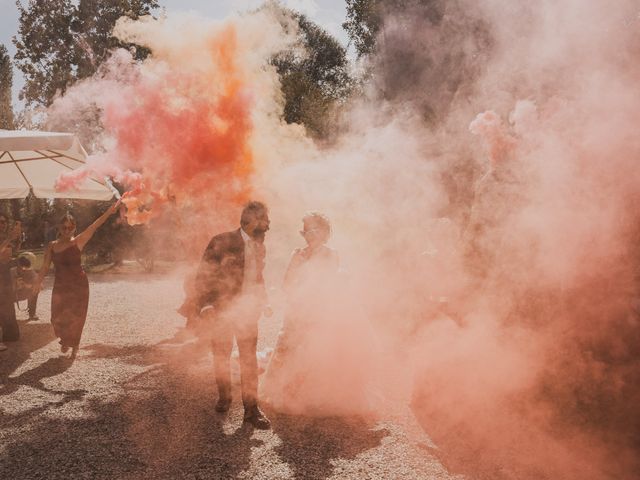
(32, 162)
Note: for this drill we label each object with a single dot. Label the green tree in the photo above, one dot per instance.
(45, 49)
(62, 41)
(364, 18)
(314, 77)
(6, 83)
(94, 23)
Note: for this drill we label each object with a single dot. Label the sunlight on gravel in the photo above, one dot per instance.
(138, 403)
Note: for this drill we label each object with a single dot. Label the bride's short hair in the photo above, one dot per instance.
(322, 221)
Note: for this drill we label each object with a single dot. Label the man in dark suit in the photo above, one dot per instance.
(232, 296)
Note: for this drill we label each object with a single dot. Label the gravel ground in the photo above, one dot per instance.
(138, 403)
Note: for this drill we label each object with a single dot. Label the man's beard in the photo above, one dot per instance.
(258, 234)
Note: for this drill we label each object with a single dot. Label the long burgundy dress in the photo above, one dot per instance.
(70, 296)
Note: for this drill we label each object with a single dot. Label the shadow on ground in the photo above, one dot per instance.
(164, 426)
(33, 336)
(311, 445)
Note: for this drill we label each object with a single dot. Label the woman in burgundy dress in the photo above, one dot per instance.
(70, 296)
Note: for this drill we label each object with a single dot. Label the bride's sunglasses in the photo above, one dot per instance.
(304, 233)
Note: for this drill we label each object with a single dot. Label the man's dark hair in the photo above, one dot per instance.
(251, 209)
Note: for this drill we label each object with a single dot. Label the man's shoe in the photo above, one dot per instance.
(3, 347)
(256, 418)
(223, 404)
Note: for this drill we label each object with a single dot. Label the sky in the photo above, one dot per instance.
(328, 13)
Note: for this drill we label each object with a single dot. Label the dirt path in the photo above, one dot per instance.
(138, 403)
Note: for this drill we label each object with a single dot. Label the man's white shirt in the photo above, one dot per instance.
(250, 277)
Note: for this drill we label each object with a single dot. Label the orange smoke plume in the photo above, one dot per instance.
(176, 128)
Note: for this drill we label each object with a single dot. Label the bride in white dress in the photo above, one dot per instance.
(314, 369)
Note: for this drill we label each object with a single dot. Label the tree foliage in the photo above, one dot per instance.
(62, 41)
(6, 83)
(314, 77)
(365, 18)
(363, 24)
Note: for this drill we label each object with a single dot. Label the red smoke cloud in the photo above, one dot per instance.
(173, 130)
(184, 135)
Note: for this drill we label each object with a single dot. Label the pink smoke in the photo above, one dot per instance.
(68, 181)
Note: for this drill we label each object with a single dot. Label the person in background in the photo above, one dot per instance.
(70, 296)
(26, 279)
(8, 322)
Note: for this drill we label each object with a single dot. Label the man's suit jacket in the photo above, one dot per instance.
(221, 272)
